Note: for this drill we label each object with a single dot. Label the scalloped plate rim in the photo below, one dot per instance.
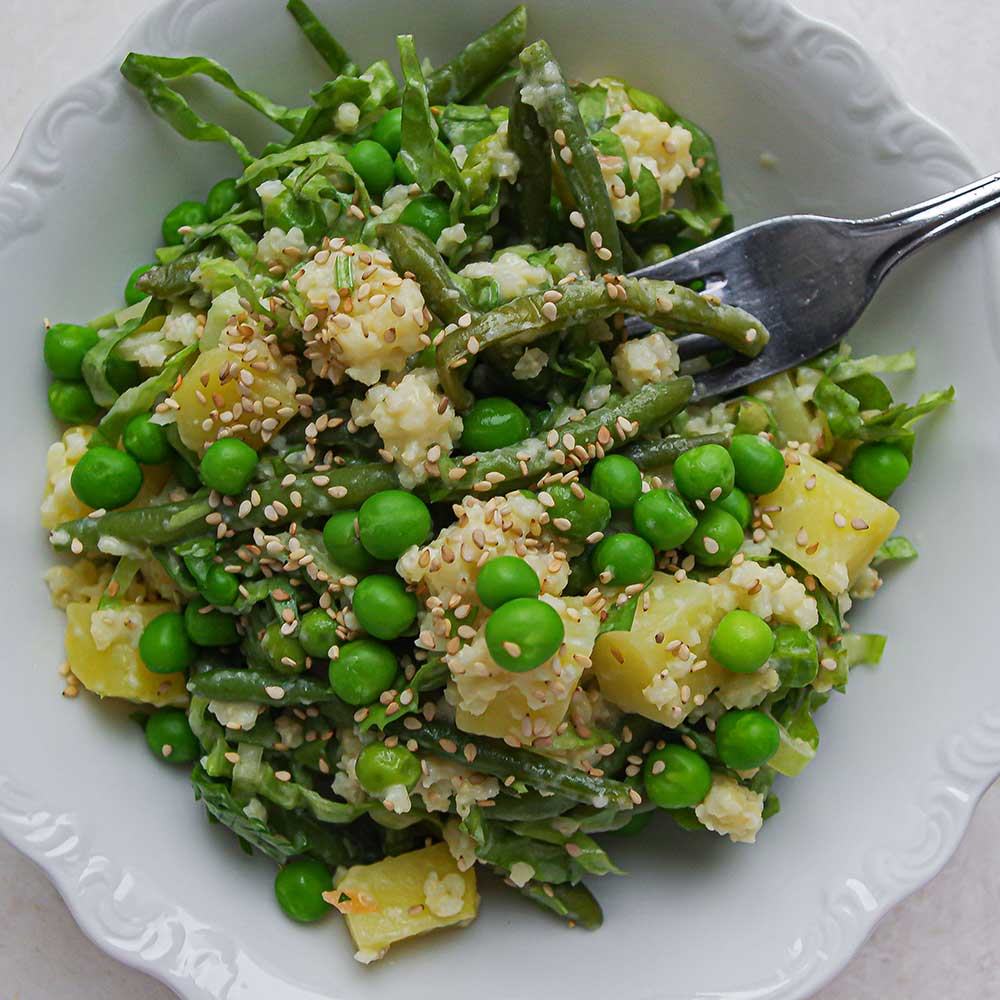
(963, 802)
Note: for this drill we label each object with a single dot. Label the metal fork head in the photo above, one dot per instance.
(807, 278)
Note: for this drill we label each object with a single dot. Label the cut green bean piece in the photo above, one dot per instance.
(656, 454)
(259, 687)
(574, 903)
(332, 52)
(533, 186)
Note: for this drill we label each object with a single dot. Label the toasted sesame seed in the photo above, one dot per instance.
(859, 524)
(710, 544)
(566, 155)
(576, 219)
(839, 520)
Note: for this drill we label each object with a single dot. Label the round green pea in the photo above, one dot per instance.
(106, 478)
(299, 888)
(585, 513)
(716, 538)
(221, 587)
(286, 212)
(340, 536)
(169, 736)
(746, 738)
(698, 473)
(523, 633)
(428, 213)
(403, 173)
(505, 578)
(737, 503)
(318, 633)
(493, 422)
(145, 441)
(209, 628)
(187, 213)
(742, 642)
(391, 521)
(618, 480)
(222, 198)
(682, 782)
(362, 670)
(72, 403)
(380, 767)
(164, 645)
(662, 518)
(228, 466)
(879, 468)
(286, 652)
(759, 466)
(64, 348)
(388, 131)
(627, 557)
(383, 606)
(373, 164)
(133, 296)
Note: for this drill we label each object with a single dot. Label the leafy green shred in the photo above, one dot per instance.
(896, 549)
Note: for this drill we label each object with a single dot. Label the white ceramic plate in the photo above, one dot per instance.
(904, 757)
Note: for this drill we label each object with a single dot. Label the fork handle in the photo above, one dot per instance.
(911, 228)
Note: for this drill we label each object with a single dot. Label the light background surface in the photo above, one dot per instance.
(942, 941)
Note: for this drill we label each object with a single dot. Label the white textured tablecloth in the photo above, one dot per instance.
(941, 943)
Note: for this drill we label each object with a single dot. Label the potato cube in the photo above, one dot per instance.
(402, 897)
(117, 671)
(825, 523)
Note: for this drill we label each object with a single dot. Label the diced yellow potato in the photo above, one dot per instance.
(209, 397)
(402, 897)
(638, 673)
(118, 671)
(826, 524)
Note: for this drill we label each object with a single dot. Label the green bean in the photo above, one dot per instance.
(589, 855)
(331, 51)
(504, 849)
(533, 187)
(480, 60)
(529, 806)
(528, 461)
(546, 90)
(640, 729)
(574, 902)
(245, 684)
(523, 320)
(496, 758)
(652, 454)
(167, 523)
(413, 251)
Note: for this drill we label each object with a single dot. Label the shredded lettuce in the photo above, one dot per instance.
(895, 549)
(861, 647)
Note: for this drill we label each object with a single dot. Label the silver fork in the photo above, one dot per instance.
(807, 278)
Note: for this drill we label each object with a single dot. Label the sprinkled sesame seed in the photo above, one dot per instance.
(859, 524)
(710, 544)
(576, 219)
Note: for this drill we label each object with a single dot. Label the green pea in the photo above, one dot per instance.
(380, 767)
(362, 670)
(618, 480)
(493, 422)
(626, 557)
(879, 468)
(759, 466)
(221, 587)
(65, 346)
(222, 198)
(662, 518)
(340, 536)
(391, 521)
(701, 471)
(737, 503)
(636, 824)
(299, 888)
(682, 782)
(228, 466)
(169, 736)
(164, 645)
(523, 633)
(133, 296)
(746, 739)
(318, 633)
(742, 642)
(383, 606)
(122, 374)
(505, 578)
(286, 652)
(388, 131)
(286, 212)
(187, 213)
(716, 539)
(373, 164)
(106, 478)
(577, 517)
(145, 441)
(209, 628)
(403, 173)
(72, 403)
(428, 213)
